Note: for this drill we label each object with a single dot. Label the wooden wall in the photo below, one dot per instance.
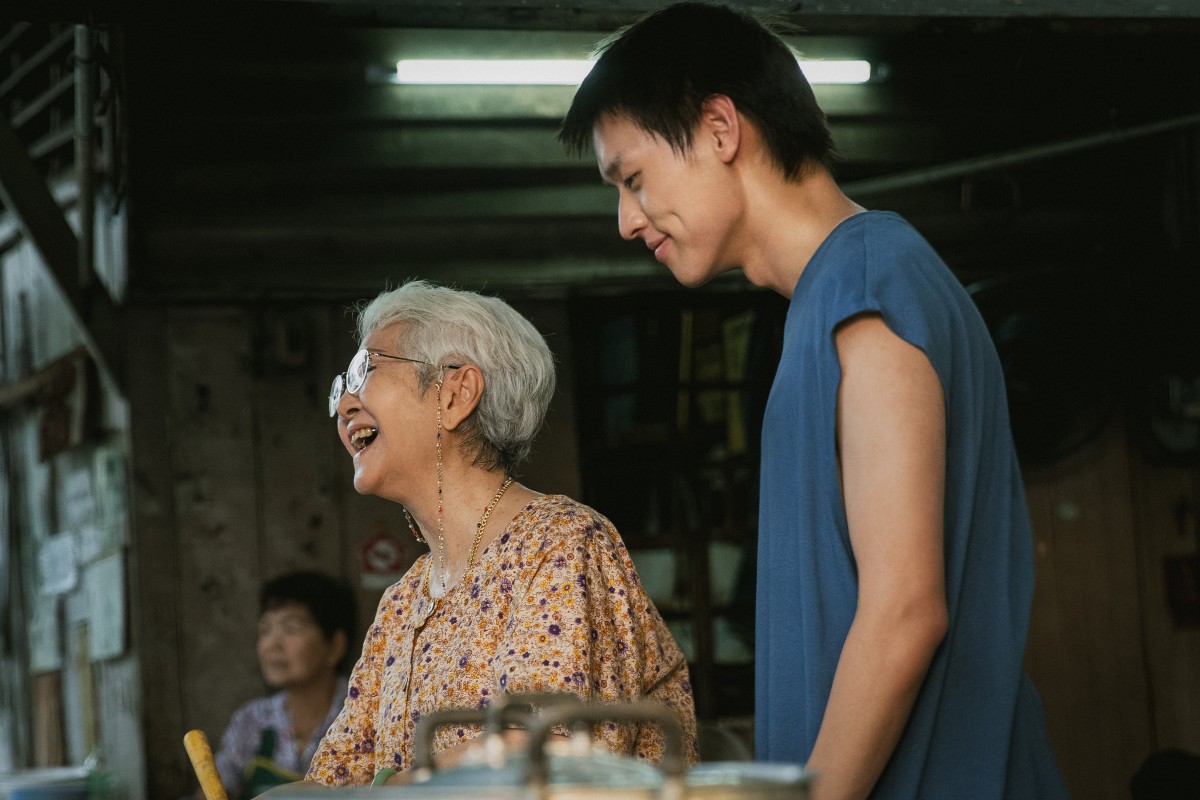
(239, 476)
(1119, 679)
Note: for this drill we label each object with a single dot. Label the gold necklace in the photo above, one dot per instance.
(483, 521)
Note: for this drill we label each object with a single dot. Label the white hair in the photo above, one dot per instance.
(445, 326)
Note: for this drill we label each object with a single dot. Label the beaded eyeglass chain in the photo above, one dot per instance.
(443, 577)
(408, 517)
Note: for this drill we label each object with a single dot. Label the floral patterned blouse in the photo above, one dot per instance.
(553, 605)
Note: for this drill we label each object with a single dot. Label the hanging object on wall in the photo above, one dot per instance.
(382, 560)
(64, 398)
(104, 586)
(1181, 568)
(63, 404)
(58, 569)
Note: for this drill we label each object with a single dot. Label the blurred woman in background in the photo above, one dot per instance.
(306, 620)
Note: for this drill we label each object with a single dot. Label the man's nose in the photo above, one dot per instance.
(630, 219)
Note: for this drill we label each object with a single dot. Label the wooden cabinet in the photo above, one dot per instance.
(670, 389)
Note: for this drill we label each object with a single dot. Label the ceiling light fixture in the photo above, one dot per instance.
(846, 71)
(539, 72)
(570, 72)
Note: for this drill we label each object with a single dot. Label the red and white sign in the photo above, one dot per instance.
(381, 561)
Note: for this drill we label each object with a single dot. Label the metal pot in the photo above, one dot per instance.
(574, 769)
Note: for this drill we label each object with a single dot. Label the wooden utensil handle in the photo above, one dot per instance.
(196, 744)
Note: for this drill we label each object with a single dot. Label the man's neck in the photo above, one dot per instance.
(787, 222)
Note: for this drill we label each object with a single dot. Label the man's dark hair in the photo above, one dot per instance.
(329, 600)
(660, 70)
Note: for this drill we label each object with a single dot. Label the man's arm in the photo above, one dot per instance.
(891, 436)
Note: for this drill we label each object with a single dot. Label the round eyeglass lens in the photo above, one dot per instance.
(356, 373)
(335, 394)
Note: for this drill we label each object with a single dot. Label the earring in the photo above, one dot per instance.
(412, 526)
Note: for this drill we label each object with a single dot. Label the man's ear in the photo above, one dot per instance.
(461, 390)
(720, 126)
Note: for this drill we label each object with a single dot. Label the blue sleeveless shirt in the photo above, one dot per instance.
(976, 730)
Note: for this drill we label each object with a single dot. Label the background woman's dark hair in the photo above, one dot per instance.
(330, 600)
(660, 70)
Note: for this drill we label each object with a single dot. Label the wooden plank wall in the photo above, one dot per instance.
(1118, 680)
(1166, 520)
(156, 618)
(1084, 649)
(239, 476)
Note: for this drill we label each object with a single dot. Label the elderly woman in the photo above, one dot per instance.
(521, 592)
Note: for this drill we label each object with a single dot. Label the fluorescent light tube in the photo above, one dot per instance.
(568, 72)
(539, 72)
(836, 71)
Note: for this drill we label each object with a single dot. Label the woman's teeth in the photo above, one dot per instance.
(362, 437)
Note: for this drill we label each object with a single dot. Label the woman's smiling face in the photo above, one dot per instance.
(388, 427)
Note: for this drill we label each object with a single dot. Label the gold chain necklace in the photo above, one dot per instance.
(483, 521)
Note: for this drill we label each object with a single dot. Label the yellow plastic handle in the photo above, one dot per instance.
(196, 744)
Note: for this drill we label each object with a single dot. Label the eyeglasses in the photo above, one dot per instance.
(352, 380)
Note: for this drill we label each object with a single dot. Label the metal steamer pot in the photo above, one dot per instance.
(551, 768)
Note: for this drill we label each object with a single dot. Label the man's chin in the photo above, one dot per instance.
(690, 279)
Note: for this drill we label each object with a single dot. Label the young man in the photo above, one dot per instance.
(895, 553)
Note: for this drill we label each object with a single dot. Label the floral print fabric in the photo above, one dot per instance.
(553, 605)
